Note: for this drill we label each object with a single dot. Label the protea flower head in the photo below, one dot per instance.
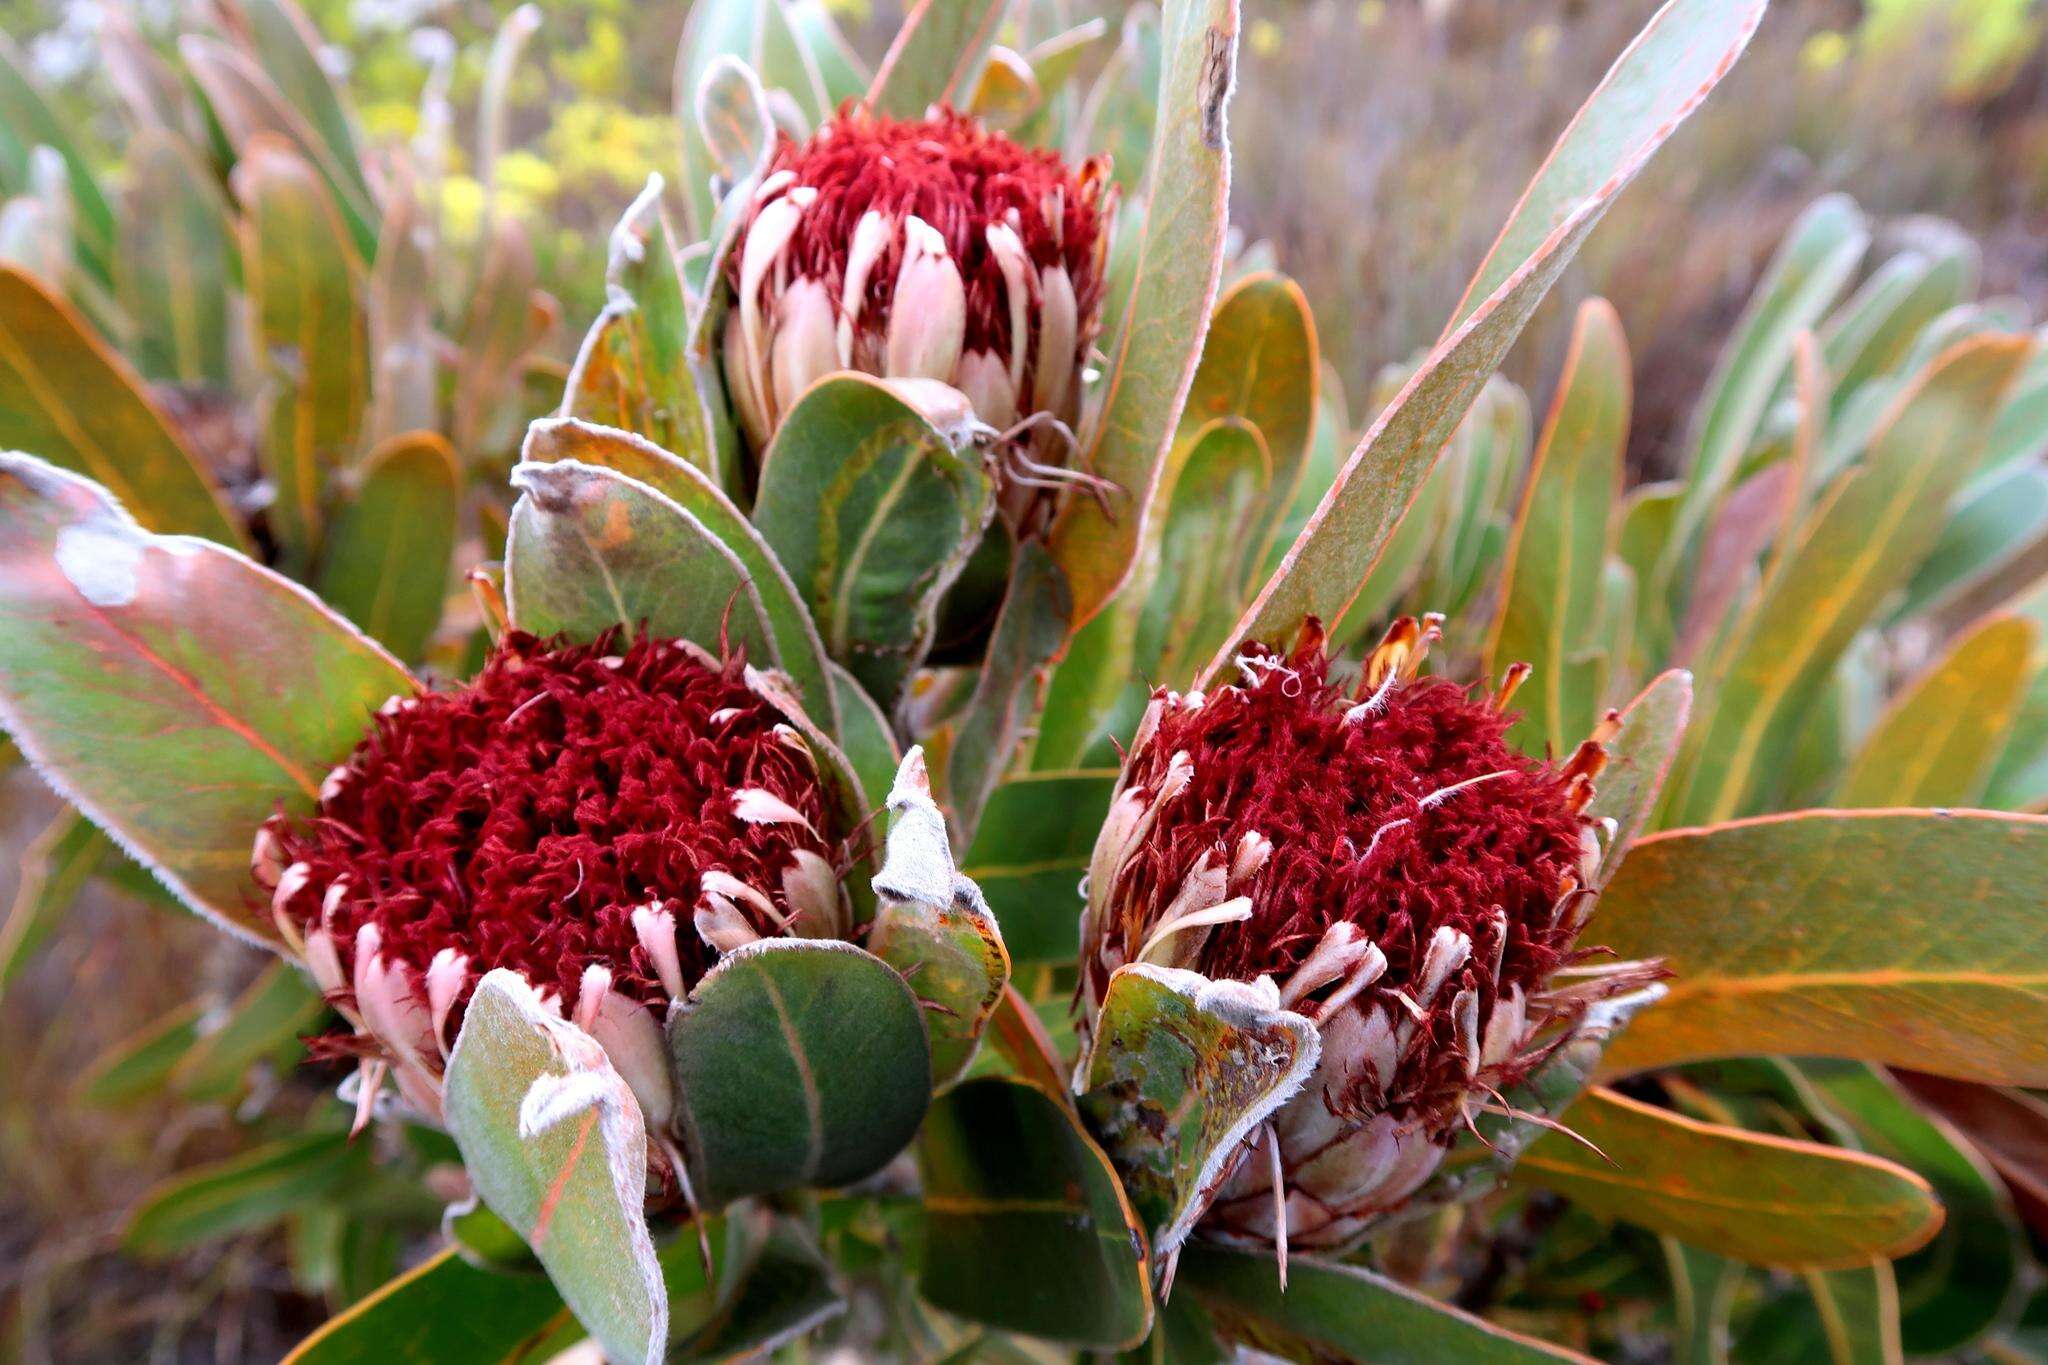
(605, 819)
(1379, 861)
(928, 250)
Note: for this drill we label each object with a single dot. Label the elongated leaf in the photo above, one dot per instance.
(1936, 743)
(501, 325)
(933, 926)
(172, 690)
(1181, 1069)
(2009, 1127)
(1907, 937)
(1703, 1293)
(54, 866)
(873, 512)
(1817, 258)
(1198, 560)
(1655, 84)
(67, 398)
(28, 121)
(176, 268)
(1638, 760)
(1163, 313)
(1261, 362)
(1345, 1312)
(783, 1290)
(1873, 332)
(1858, 546)
(253, 1190)
(286, 46)
(136, 1068)
(1030, 852)
(1761, 1199)
(764, 35)
(1029, 633)
(274, 1012)
(1026, 1228)
(591, 549)
(442, 1309)
(556, 1146)
(1557, 554)
(1996, 522)
(386, 561)
(311, 335)
(799, 1062)
(936, 57)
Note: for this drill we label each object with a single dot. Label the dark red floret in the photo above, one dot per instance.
(959, 177)
(521, 819)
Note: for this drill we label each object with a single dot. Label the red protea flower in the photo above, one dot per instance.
(604, 819)
(925, 250)
(1379, 861)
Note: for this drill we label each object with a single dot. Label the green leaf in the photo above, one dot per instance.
(1196, 553)
(66, 397)
(798, 649)
(253, 1190)
(874, 513)
(1816, 259)
(1936, 742)
(556, 1146)
(783, 1290)
(1179, 1072)
(137, 1067)
(1906, 937)
(501, 326)
(1761, 1199)
(1026, 1228)
(172, 690)
(1030, 852)
(933, 926)
(310, 336)
(249, 107)
(1557, 554)
(591, 549)
(287, 47)
(1872, 333)
(385, 565)
(271, 1014)
(177, 269)
(54, 866)
(1703, 1288)
(1158, 312)
(1663, 76)
(1328, 1311)
(937, 56)
(1999, 519)
(443, 1309)
(1261, 363)
(1638, 760)
(634, 371)
(865, 738)
(761, 33)
(798, 1062)
(28, 121)
(1855, 548)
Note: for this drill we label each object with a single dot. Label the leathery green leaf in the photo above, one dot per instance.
(66, 397)
(1907, 937)
(1344, 1312)
(311, 336)
(1179, 1071)
(1935, 744)
(933, 926)
(172, 690)
(1557, 553)
(797, 1062)
(385, 564)
(1195, 560)
(761, 33)
(873, 511)
(1030, 852)
(176, 269)
(54, 866)
(1163, 315)
(1860, 543)
(286, 45)
(1751, 1196)
(1262, 362)
(937, 56)
(1638, 760)
(1663, 76)
(252, 1190)
(591, 549)
(1026, 1227)
(27, 121)
(136, 1067)
(271, 1014)
(798, 650)
(556, 1146)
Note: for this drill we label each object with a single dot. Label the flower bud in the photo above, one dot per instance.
(930, 249)
(1394, 872)
(605, 821)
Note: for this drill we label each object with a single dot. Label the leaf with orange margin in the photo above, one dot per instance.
(1909, 937)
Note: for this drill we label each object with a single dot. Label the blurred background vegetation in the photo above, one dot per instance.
(1379, 143)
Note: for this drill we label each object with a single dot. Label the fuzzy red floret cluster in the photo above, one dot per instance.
(959, 177)
(522, 818)
(1278, 757)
